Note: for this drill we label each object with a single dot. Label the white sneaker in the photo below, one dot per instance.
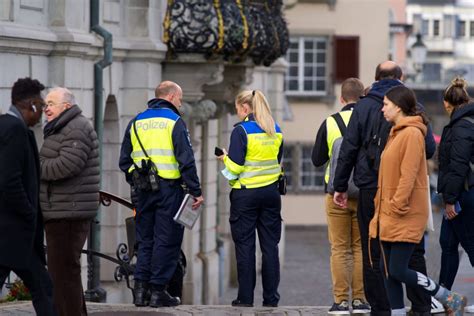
(436, 306)
(469, 309)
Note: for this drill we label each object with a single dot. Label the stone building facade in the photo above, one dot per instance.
(50, 40)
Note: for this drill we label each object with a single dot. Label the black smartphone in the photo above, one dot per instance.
(218, 151)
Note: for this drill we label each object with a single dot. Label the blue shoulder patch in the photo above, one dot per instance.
(251, 127)
(166, 113)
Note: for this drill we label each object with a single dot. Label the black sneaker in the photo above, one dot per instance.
(239, 303)
(360, 307)
(340, 309)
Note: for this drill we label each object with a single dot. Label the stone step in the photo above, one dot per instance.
(99, 309)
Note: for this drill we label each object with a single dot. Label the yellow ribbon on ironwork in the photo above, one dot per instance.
(220, 27)
(167, 23)
(245, 41)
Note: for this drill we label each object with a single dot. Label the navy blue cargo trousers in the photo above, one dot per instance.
(258, 210)
(159, 237)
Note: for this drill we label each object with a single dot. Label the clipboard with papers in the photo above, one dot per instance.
(186, 216)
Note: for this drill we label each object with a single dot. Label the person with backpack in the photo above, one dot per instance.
(456, 180)
(343, 229)
(361, 148)
(402, 203)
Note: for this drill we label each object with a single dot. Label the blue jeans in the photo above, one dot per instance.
(457, 231)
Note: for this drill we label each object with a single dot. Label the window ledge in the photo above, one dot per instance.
(328, 99)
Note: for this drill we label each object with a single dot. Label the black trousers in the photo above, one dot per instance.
(256, 210)
(38, 281)
(374, 286)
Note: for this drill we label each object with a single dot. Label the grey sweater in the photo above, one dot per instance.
(70, 173)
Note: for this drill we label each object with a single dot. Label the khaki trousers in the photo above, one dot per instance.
(346, 250)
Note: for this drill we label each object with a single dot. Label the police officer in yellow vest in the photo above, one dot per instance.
(156, 142)
(253, 167)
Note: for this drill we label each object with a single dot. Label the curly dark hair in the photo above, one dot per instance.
(26, 88)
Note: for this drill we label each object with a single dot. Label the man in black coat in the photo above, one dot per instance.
(21, 222)
(356, 154)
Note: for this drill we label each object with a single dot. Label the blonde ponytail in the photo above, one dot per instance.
(260, 107)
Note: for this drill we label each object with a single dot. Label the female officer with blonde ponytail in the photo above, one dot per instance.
(253, 164)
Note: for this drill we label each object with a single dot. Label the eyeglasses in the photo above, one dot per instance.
(52, 104)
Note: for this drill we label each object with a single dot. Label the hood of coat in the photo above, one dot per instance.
(407, 121)
(379, 88)
(62, 120)
(467, 110)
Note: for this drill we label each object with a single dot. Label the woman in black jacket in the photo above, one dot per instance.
(456, 180)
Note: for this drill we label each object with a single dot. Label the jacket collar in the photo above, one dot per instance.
(414, 121)
(467, 110)
(379, 88)
(13, 111)
(62, 120)
(348, 107)
(162, 104)
(250, 117)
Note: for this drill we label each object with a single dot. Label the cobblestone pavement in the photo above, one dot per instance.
(305, 286)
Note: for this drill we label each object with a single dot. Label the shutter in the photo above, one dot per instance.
(346, 57)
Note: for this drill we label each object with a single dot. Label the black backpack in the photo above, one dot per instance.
(378, 136)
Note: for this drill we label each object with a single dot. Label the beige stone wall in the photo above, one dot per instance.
(347, 17)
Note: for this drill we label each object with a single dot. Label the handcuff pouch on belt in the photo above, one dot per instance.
(145, 177)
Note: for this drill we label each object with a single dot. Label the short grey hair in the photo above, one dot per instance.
(67, 95)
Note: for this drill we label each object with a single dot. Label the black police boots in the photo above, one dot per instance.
(161, 298)
(141, 292)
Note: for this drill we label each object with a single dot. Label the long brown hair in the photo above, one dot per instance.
(405, 99)
(259, 105)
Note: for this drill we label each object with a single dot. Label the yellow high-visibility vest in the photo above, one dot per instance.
(261, 165)
(333, 133)
(155, 127)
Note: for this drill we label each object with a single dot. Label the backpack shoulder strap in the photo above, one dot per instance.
(469, 118)
(340, 123)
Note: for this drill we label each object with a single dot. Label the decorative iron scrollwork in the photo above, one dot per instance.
(233, 29)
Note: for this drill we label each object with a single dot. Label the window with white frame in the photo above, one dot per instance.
(301, 175)
(307, 72)
(311, 178)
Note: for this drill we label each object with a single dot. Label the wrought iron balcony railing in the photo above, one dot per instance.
(234, 29)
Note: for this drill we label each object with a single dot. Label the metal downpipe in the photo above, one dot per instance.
(94, 292)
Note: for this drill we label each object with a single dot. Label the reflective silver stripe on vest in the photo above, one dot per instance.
(153, 152)
(265, 163)
(166, 166)
(251, 174)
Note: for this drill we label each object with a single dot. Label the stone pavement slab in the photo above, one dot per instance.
(99, 309)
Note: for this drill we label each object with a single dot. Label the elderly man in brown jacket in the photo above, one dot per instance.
(69, 195)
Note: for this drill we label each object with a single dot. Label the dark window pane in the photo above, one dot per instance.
(308, 57)
(294, 45)
(321, 45)
(321, 57)
(320, 71)
(308, 71)
(320, 85)
(293, 85)
(308, 86)
(435, 27)
(308, 45)
(293, 71)
(293, 58)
